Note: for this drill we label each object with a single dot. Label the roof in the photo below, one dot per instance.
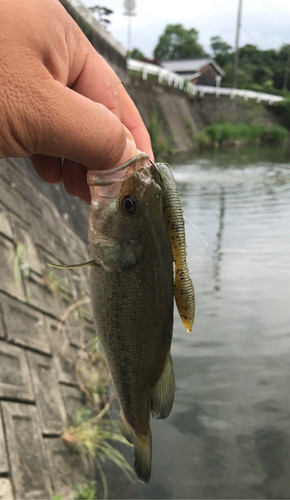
(191, 65)
(191, 76)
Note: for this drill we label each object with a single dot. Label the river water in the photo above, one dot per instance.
(228, 435)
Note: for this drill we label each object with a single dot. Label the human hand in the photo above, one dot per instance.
(60, 99)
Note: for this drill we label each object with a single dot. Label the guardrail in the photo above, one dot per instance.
(97, 26)
(170, 78)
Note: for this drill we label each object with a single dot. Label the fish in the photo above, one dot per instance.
(133, 227)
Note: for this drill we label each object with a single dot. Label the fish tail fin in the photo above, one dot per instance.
(162, 395)
(143, 452)
(142, 445)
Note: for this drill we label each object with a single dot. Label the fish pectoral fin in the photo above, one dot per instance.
(100, 349)
(162, 395)
(90, 263)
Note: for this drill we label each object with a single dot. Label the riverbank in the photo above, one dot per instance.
(177, 119)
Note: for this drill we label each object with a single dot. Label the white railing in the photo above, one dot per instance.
(97, 26)
(170, 78)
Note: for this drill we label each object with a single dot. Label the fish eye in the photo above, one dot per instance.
(129, 204)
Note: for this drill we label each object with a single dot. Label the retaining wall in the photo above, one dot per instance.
(39, 394)
(183, 116)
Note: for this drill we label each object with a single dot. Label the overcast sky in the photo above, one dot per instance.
(265, 23)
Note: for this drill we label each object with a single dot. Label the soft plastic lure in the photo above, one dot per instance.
(173, 216)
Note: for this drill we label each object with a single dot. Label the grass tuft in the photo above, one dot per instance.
(230, 133)
(87, 491)
(93, 439)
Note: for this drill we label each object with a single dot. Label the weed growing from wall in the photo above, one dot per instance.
(161, 144)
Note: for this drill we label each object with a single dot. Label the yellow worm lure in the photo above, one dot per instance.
(173, 216)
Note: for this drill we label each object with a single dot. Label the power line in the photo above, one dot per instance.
(249, 35)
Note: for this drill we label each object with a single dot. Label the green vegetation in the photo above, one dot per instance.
(220, 49)
(56, 283)
(231, 133)
(20, 265)
(87, 491)
(103, 12)
(283, 111)
(161, 144)
(93, 432)
(260, 70)
(137, 54)
(93, 375)
(92, 438)
(178, 43)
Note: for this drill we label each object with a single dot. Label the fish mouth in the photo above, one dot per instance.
(118, 174)
(107, 183)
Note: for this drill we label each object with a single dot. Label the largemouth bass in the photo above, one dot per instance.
(132, 287)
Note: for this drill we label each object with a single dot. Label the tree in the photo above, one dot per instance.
(102, 12)
(136, 54)
(221, 50)
(257, 64)
(178, 43)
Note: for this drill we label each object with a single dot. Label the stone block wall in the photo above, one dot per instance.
(39, 394)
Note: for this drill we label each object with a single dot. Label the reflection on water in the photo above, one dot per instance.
(218, 250)
(229, 432)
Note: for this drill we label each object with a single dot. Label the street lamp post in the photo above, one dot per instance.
(236, 62)
(130, 6)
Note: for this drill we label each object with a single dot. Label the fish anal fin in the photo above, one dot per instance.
(90, 263)
(142, 463)
(126, 429)
(162, 395)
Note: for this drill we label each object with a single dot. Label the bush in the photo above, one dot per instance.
(231, 132)
(275, 134)
(203, 140)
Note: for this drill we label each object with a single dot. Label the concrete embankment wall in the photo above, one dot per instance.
(184, 116)
(39, 394)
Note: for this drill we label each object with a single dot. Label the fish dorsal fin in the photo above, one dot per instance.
(162, 395)
(90, 263)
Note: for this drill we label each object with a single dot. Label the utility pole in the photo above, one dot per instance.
(286, 75)
(236, 62)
